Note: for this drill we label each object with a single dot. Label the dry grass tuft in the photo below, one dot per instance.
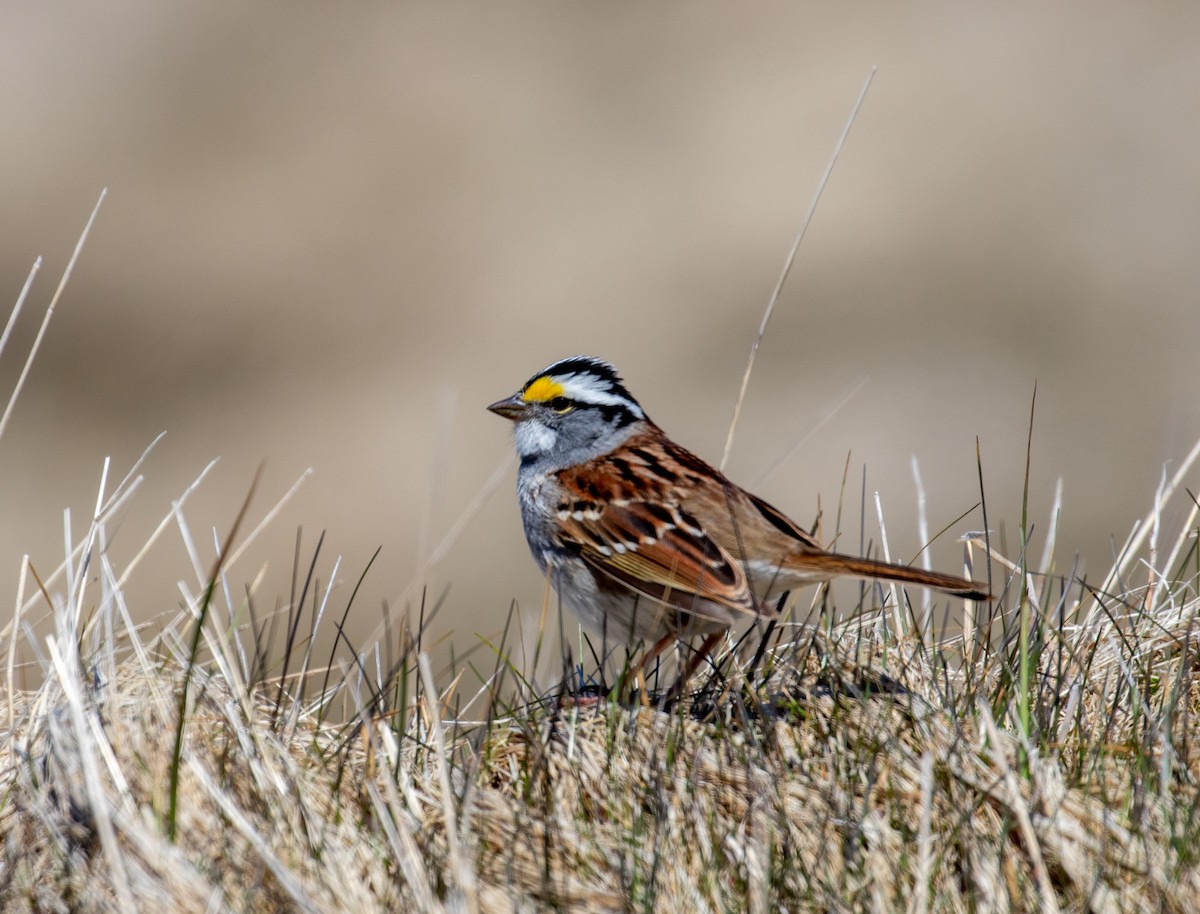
(859, 766)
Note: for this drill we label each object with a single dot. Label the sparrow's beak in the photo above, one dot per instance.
(513, 408)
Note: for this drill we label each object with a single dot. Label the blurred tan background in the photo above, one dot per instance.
(333, 234)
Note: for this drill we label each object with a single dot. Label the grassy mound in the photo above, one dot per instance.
(1042, 756)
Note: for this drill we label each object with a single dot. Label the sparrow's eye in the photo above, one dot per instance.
(560, 405)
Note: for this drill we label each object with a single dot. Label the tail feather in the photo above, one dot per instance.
(835, 564)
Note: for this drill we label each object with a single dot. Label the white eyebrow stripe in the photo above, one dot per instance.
(590, 389)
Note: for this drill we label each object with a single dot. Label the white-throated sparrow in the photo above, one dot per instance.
(641, 538)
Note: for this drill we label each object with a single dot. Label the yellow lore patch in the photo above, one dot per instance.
(543, 389)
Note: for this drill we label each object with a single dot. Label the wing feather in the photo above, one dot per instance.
(663, 555)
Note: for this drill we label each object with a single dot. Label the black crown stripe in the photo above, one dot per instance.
(587, 365)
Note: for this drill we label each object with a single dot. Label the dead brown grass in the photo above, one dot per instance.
(861, 768)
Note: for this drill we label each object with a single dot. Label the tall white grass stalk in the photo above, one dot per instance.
(37, 340)
(968, 611)
(1186, 530)
(1138, 536)
(164, 523)
(787, 266)
(12, 317)
(1052, 531)
(926, 558)
(1155, 528)
(897, 603)
(14, 628)
(67, 620)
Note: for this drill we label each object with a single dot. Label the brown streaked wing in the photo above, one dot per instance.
(745, 526)
(668, 561)
(804, 540)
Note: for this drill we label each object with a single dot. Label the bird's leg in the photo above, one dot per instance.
(638, 672)
(705, 649)
(658, 647)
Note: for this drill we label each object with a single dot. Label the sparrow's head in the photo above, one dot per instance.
(571, 411)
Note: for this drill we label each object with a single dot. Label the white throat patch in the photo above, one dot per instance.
(533, 438)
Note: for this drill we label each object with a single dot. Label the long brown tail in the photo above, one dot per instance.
(868, 568)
